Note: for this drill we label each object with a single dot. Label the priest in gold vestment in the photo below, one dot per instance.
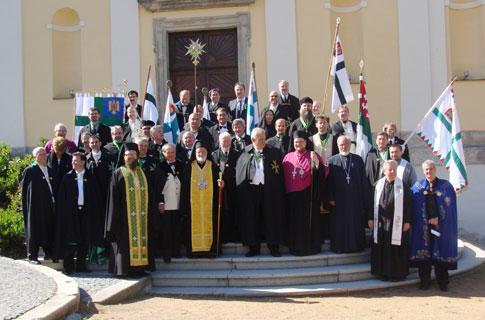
(199, 203)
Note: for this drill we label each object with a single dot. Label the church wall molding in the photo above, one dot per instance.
(340, 9)
(73, 28)
(167, 5)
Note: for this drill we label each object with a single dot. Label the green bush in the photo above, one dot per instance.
(11, 219)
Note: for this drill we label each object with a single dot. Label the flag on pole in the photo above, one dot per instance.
(150, 111)
(205, 107)
(342, 91)
(252, 117)
(440, 129)
(170, 125)
(364, 134)
(110, 110)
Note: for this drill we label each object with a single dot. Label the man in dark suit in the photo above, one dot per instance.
(238, 106)
(215, 103)
(223, 125)
(281, 140)
(344, 127)
(200, 133)
(226, 158)
(288, 101)
(184, 108)
(133, 96)
(115, 147)
(240, 139)
(96, 127)
(157, 142)
(184, 147)
(391, 129)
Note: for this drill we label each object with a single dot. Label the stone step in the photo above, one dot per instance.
(470, 258)
(239, 249)
(238, 262)
(260, 277)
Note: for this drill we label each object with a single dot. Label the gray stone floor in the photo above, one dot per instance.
(22, 288)
(90, 283)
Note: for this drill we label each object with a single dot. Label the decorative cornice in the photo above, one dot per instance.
(362, 4)
(464, 6)
(66, 28)
(166, 5)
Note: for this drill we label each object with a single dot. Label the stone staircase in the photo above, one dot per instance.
(235, 275)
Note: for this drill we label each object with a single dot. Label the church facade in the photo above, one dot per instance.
(411, 49)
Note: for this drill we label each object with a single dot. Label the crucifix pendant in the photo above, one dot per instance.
(348, 179)
(294, 173)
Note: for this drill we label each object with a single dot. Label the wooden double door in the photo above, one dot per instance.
(218, 67)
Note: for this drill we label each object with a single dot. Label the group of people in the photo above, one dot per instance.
(295, 181)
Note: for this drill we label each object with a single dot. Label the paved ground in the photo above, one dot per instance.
(464, 300)
(90, 283)
(21, 288)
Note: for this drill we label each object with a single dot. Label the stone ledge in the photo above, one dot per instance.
(167, 5)
(63, 303)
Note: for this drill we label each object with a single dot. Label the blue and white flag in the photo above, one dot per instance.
(342, 91)
(150, 111)
(171, 129)
(252, 117)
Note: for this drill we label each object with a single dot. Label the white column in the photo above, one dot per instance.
(11, 76)
(281, 50)
(125, 44)
(415, 69)
(437, 43)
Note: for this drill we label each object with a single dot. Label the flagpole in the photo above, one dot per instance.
(332, 52)
(361, 78)
(146, 89)
(430, 110)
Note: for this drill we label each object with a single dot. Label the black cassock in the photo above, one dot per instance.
(38, 210)
(388, 260)
(117, 231)
(74, 227)
(348, 218)
(261, 211)
(186, 210)
(229, 229)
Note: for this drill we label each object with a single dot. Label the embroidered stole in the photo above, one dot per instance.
(400, 168)
(201, 195)
(398, 210)
(137, 213)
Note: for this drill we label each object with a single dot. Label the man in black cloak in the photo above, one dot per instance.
(80, 216)
(38, 206)
(260, 190)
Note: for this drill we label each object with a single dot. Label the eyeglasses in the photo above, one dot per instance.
(273, 96)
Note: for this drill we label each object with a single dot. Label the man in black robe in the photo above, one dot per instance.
(199, 203)
(260, 190)
(184, 147)
(38, 206)
(100, 166)
(80, 219)
(184, 108)
(226, 157)
(133, 248)
(157, 142)
(392, 220)
(305, 123)
(348, 197)
(200, 133)
(280, 141)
